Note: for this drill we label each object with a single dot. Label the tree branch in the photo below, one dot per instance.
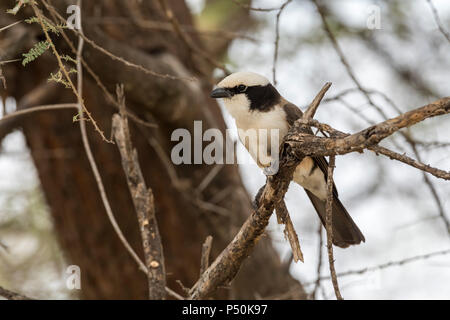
(283, 217)
(305, 144)
(39, 108)
(226, 266)
(269, 197)
(9, 295)
(311, 111)
(297, 145)
(384, 265)
(438, 173)
(206, 251)
(329, 228)
(143, 202)
(444, 32)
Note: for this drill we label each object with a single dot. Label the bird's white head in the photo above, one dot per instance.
(244, 92)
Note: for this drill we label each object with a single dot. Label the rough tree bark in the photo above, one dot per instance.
(55, 143)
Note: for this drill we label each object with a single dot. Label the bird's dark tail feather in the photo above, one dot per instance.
(345, 230)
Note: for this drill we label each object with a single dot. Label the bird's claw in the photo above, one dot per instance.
(272, 169)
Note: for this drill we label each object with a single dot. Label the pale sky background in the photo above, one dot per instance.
(398, 219)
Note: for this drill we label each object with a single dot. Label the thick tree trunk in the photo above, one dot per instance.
(80, 220)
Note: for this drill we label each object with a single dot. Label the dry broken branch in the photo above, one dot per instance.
(311, 111)
(206, 251)
(144, 204)
(283, 217)
(226, 266)
(277, 41)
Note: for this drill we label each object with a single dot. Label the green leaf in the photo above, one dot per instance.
(48, 26)
(37, 50)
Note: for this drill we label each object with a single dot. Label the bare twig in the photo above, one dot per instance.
(277, 40)
(209, 177)
(206, 252)
(174, 294)
(369, 137)
(208, 206)
(10, 25)
(167, 26)
(248, 7)
(329, 228)
(311, 111)
(444, 32)
(98, 178)
(385, 265)
(438, 173)
(143, 203)
(93, 164)
(343, 59)
(187, 40)
(283, 217)
(40, 18)
(110, 54)
(2, 245)
(9, 61)
(319, 262)
(434, 193)
(39, 108)
(9, 295)
(432, 144)
(94, 167)
(96, 78)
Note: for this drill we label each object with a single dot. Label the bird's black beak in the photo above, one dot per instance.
(221, 93)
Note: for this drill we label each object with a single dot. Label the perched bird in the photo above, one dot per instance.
(255, 104)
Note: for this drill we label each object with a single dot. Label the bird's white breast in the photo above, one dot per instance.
(275, 119)
(263, 126)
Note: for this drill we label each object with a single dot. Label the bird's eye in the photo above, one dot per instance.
(242, 88)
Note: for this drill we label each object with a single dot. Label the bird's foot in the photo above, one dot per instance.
(272, 170)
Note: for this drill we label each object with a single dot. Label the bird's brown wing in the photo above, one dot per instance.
(293, 113)
(345, 231)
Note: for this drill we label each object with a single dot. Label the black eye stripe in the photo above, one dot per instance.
(239, 89)
(262, 98)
